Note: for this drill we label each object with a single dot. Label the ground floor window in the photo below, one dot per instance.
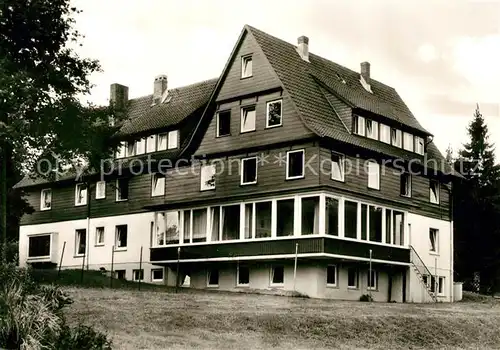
(213, 278)
(441, 285)
(277, 275)
(120, 274)
(243, 273)
(331, 276)
(39, 246)
(121, 236)
(372, 279)
(138, 275)
(157, 275)
(352, 278)
(80, 241)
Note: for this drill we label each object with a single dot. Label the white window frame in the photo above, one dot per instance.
(238, 276)
(155, 178)
(97, 243)
(204, 170)
(408, 141)
(121, 151)
(42, 199)
(130, 150)
(139, 271)
(163, 137)
(360, 126)
(341, 167)
(371, 167)
(244, 62)
(97, 195)
(288, 177)
(438, 190)
(385, 130)
(242, 118)
(356, 279)
(218, 122)
(335, 269)
(267, 113)
(242, 170)
(209, 272)
(77, 241)
(441, 285)
(116, 238)
(151, 139)
(436, 241)
(118, 193)
(173, 135)
(276, 284)
(399, 137)
(157, 279)
(374, 135)
(409, 184)
(140, 146)
(419, 148)
(370, 279)
(84, 200)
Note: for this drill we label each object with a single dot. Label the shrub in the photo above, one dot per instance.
(366, 297)
(82, 338)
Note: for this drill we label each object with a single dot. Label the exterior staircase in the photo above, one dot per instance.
(421, 270)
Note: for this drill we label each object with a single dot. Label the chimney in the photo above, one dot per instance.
(118, 96)
(365, 76)
(160, 86)
(303, 47)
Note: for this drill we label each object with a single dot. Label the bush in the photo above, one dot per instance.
(366, 297)
(31, 316)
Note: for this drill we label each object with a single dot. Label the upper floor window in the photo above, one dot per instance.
(162, 142)
(359, 125)
(122, 150)
(81, 194)
(374, 175)
(46, 199)
(249, 171)
(207, 177)
(385, 133)
(419, 145)
(396, 138)
(151, 144)
(338, 161)
(295, 164)
(158, 185)
(433, 240)
(371, 129)
(173, 139)
(434, 191)
(405, 184)
(246, 66)
(140, 146)
(130, 149)
(248, 119)
(274, 115)
(223, 123)
(408, 142)
(122, 189)
(100, 190)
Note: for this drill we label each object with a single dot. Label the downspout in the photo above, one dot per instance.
(452, 273)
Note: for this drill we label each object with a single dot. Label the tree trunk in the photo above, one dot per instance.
(3, 204)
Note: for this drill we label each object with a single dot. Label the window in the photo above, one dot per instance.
(157, 185)
(100, 190)
(122, 150)
(396, 137)
(140, 146)
(405, 184)
(295, 164)
(121, 237)
(99, 236)
(359, 125)
(122, 189)
(263, 219)
(350, 219)
(162, 142)
(372, 280)
(39, 246)
(215, 223)
(371, 129)
(375, 225)
(419, 145)
(151, 144)
(434, 191)
(187, 226)
(223, 123)
(121, 274)
(440, 288)
(172, 226)
(138, 275)
(46, 199)
(249, 171)
(310, 215)
(285, 216)
(433, 240)
(332, 216)
(247, 119)
(230, 222)
(433, 284)
(157, 275)
(352, 278)
(81, 194)
(374, 175)
(274, 116)
(277, 275)
(173, 139)
(243, 277)
(80, 241)
(160, 228)
(130, 149)
(199, 225)
(246, 66)
(331, 276)
(248, 229)
(408, 142)
(213, 278)
(207, 177)
(385, 133)
(398, 224)
(338, 162)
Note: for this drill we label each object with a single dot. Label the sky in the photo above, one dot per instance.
(442, 56)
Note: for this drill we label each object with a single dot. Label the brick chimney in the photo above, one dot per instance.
(118, 96)
(303, 47)
(365, 76)
(160, 86)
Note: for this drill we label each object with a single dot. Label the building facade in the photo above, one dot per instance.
(288, 173)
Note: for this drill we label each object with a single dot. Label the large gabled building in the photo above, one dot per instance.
(289, 173)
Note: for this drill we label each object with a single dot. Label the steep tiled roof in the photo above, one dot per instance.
(309, 83)
(182, 102)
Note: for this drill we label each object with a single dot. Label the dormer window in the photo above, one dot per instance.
(359, 125)
(162, 142)
(151, 144)
(140, 146)
(371, 129)
(173, 139)
(122, 150)
(246, 66)
(408, 142)
(419, 145)
(385, 133)
(396, 137)
(130, 149)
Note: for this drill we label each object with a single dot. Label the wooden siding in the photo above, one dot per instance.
(343, 110)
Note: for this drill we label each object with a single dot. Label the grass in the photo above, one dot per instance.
(211, 320)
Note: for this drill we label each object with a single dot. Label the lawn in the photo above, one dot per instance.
(210, 320)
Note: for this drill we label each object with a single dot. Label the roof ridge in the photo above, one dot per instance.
(206, 81)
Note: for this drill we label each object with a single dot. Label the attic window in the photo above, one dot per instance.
(246, 66)
(168, 98)
(340, 78)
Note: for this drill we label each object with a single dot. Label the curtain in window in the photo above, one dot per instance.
(160, 228)
(187, 226)
(199, 225)
(172, 220)
(248, 220)
(332, 213)
(215, 216)
(263, 219)
(230, 222)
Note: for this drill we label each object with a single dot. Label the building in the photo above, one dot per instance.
(287, 173)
